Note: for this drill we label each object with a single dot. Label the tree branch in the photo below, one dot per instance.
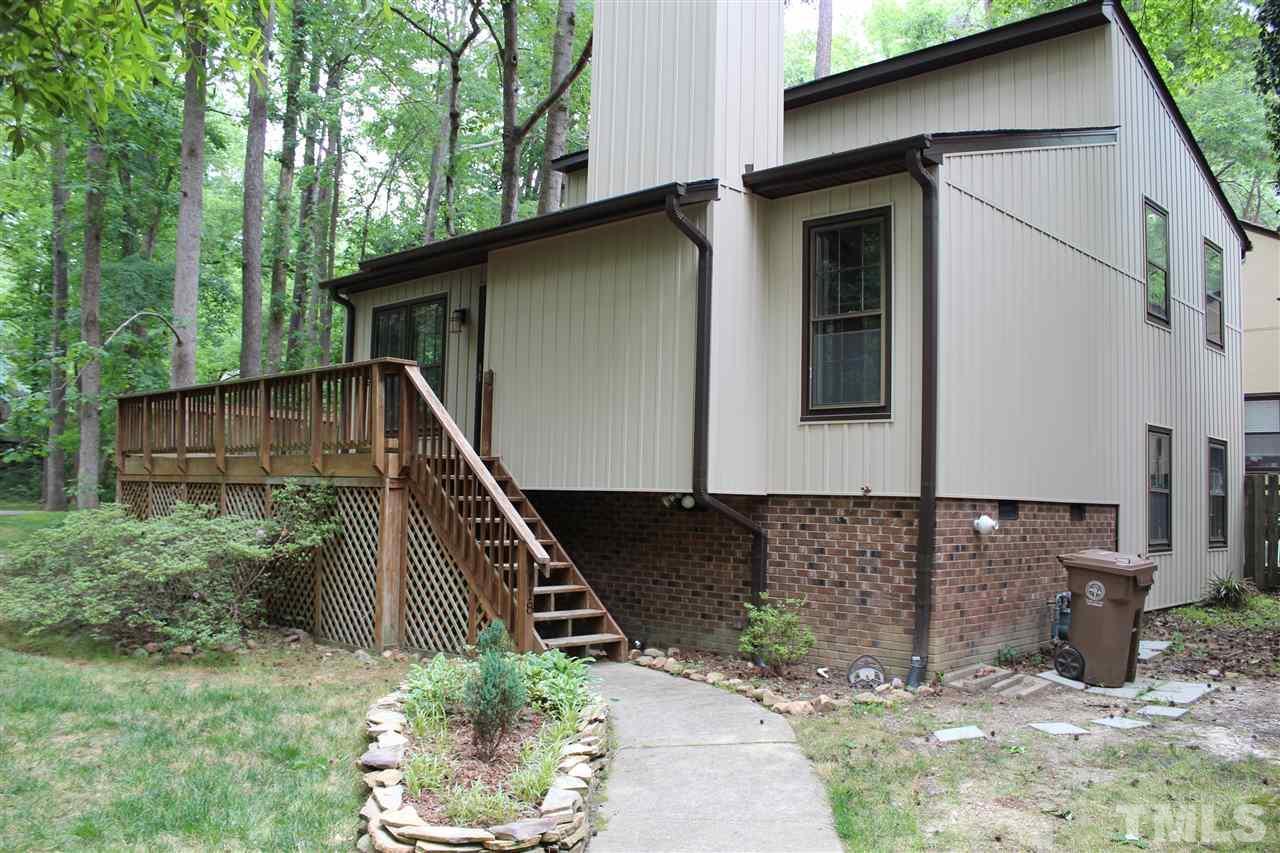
(550, 100)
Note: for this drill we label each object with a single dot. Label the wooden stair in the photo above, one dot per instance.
(567, 613)
(515, 567)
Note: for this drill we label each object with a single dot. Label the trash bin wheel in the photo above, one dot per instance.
(1069, 663)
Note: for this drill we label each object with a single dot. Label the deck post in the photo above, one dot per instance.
(264, 426)
(408, 437)
(146, 434)
(180, 430)
(220, 429)
(391, 560)
(486, 414)
(523, 603)
(317, 424)
(378, 413)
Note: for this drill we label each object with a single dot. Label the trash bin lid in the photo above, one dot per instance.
(1112, 562)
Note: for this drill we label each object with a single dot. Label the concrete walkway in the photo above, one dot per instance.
(702, 769)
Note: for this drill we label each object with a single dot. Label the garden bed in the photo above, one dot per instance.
(438, 781)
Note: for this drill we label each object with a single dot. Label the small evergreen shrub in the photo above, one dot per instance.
(493, 638)
(1229, 592)
(495, 695)
(775, 634)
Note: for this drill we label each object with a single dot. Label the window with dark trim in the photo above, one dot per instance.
(417, 331)
(1217, 493)
(847, 289)
(1262, 432)
(1213, 322)
(1156, 247)
(1159, 489)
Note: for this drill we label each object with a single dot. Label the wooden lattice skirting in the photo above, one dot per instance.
(435, 591)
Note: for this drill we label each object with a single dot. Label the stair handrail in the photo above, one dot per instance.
(475, 464)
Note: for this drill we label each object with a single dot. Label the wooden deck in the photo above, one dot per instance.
(436, 540)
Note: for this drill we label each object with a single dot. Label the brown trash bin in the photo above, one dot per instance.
(1108, 591)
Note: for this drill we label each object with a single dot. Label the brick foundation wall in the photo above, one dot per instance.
(680, 578)
(999, 591)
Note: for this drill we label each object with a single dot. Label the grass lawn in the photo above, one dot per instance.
(231, 752)
(889, 790)
(14, 527)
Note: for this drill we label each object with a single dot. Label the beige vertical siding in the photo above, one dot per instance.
(1064, 82)
(839, 458)
(1049, 372)
(1183, 383)
(1262, 315)
(691, 90)
(575, 187)
(590, 337)
(463, 289)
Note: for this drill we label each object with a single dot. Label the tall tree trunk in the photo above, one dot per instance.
(435, 183)
(558, 115)
(90, 326)
(280, 235)
(186, 276)
(328, 173)
(157, 217)
(302, 263)
(128, 222)
(451, 155)
(55, 480)
(335, 209)
(251, 245)
(822, 56)
(511, 139)
(319, 252)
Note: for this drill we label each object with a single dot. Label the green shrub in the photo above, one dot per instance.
(493, 638)
(1230, 592)
(192, 577)
(495, 695)
(556, 682)
(775, 634)
(1007, 655)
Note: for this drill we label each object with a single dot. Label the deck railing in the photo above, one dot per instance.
(325, 412)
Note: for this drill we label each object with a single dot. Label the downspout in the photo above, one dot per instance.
(926, 527)
(702, 403)
(350, 343)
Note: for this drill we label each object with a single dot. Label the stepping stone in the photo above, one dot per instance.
(960, 733)
(1058, 729)
(1178, 692)
(1121, 723)
(1064, 682)
(1162, 711)
(1129, 691)
(1147, 649)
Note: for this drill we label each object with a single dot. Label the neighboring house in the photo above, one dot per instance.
(1261, 288)
(798, 341)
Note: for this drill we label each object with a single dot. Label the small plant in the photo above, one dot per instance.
(494, 638)
(557, 683)
(1229, 592)
(775, 634)
(435, 689)
(538, 761)
(1007, 656)
(426, 771)
(495, 695)
(478, 804)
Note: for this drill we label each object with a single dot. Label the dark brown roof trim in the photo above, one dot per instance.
(889, 158)
(571, 162)
(472, 249)
(1072, 19)
(1259, 228)
(845, 167)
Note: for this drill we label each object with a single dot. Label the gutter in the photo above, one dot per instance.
(702, 402)
(349, 345)
(926, 526)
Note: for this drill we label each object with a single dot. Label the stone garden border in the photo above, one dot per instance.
(387, 825)
(667, 661)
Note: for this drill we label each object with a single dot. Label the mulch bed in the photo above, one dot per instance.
(467, 767)
(798, 681)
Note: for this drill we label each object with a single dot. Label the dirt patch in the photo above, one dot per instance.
(1252, 650)
(466, 767)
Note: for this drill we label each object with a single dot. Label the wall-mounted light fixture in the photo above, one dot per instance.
(985, 525)
(457, 320)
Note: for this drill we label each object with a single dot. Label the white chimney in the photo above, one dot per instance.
(683, 90)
